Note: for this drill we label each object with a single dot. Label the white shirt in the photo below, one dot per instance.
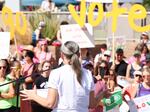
(97, 57)
(72, 96)
(46, 6)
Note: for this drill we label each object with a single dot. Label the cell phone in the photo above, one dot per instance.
(102, 72)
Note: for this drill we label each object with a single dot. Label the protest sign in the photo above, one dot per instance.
(114, 100)
(4, 44)
(140, 104)
(133, 14)
(83, 36)
(42, 92)
(120, 42)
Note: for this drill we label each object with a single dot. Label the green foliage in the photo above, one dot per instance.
(52, 23)
(146, 3)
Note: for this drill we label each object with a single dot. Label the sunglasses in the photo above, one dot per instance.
(102, 67)
(138, 76)
(4, 67)
(119, 54)
(107, 55)
(43, 44)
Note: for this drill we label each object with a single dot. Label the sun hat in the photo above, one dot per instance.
(43, 42)
(137, 53)
(86, 63)
(107, 52)
(28, 48)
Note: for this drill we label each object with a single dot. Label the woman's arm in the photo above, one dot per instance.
(48, 102)
(95, 100)
(128, 71)
(9, 94)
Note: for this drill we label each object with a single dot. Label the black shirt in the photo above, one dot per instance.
(121, 68)
(41, 82)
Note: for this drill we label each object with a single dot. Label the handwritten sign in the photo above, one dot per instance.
(114, 100)
(83, 36)
(120, 42)
(4, 44)
(42, 92)
(140, 104)
(136, 12)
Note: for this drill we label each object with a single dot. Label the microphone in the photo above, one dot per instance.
(44, 70)
(22, 79)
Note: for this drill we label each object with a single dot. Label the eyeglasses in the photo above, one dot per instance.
(137, 75)
(4, 67)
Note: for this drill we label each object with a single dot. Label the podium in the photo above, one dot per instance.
(25, 106)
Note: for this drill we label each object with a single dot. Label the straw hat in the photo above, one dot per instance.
(29, 48)
(43, 42)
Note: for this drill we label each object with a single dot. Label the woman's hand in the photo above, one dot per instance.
(98, 77)
(107, 93)
(29, 94)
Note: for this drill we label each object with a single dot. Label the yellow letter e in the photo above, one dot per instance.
(137, 12)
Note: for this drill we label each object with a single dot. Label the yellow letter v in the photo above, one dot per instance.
(80, 19)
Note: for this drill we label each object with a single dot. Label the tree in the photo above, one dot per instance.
(146, 4)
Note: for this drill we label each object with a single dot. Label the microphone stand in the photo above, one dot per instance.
(18, 82)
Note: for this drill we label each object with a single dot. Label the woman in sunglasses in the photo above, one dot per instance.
(15, 73)
(44, 53)
(6, 92)
(135, 66)
(133, 89)
(145, 86)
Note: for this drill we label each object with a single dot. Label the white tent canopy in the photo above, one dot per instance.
(110, 1)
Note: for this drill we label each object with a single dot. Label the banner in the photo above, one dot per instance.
(114, 100)
(4, 44)
(140, 104)
(83, 36)
(42, 92)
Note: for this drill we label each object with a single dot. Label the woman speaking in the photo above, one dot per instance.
(71, 87)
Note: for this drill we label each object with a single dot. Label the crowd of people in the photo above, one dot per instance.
(78, 83)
